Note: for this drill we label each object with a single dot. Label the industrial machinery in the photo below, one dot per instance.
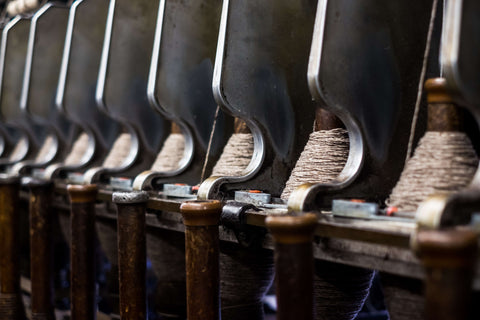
(192, 159)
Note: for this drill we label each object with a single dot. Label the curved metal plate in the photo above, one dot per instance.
(79, 73)
(122, 84)
(365, 66)
(461, 50)
(181, 75)
(42, 69)
(259, 77)
(460, 54)
(13, 54)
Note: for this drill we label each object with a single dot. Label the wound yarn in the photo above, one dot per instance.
(321, 161)
(171, 153)
(442, 162)
(236, 155)
(78, 150)
(17, 151)
(44, 154)
(119, 152)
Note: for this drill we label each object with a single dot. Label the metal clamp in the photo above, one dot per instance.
(234, 217)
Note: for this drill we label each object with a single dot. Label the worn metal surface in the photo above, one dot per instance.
(11, 306)
(41, 250)
(82, 252)
(449, 258)
(122, 84)
(12, 63)
(259, 77)
(201, 220)
(75, 96)
(42, 67)
(179, 85)
(364, 67)
(132, 260)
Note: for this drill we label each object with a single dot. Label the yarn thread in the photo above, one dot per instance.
(43, 154)
(119, 152)
(340, 290)
(235, 156)
(17, 151)
(171, 153)
(442, 162)
(321, 161)
(78, 150)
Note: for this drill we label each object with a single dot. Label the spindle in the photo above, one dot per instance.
(11, 305)
(293, 236)
(132, 260)
(82, 251)
(201, 220)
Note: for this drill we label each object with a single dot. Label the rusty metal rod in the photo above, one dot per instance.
(132, 253)
(293, 236)
(82, 251)
(449, 258)
(201, 220)
(11, 305)
(41, 249)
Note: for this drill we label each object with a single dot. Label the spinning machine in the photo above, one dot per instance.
(208, 153)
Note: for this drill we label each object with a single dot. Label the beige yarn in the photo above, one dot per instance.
(119, 152)
(78, 150)
(236, 155)
(172, 152)
(321, 161)
(43, 154)
(443, 162)
(17, 152)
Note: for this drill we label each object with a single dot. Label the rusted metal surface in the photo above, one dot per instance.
(41, 251)
(11, 306)
(82, 251)
(449, 258)
(132, 259)
(293, 238)
(201, 220)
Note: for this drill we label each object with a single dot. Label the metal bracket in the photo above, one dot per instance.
(234, 217)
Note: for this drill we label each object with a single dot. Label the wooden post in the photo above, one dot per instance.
(41, 249)
(449, 258)
(132, 253)
(82, 251)
(293, 236)
(201, 220)
(11, 305)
